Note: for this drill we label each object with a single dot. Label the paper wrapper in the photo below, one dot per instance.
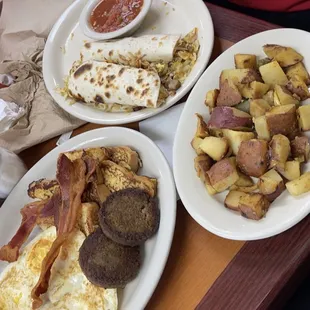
(24, 27)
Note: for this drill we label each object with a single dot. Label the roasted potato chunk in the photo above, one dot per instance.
(282, 120)
(300, 185)
(303, 114)
(259, 107)
(232, 200)
(261, 127)
(284, 95)
(244, 180)
(297, 86)
(245, 61)
(223, 174)
(215, 147)
(273, 74)
(252, 157)
(88, 220)
(229, 94)
(211, 98)
(196, 145)
(300, 70)
(271, 185)
(230, 118)
(285, 56)
(253, 206)
(240, 76)
(202, 128)
(279, 150)
(269, 97)
(236, 137)
(254, 90)
(300, 148)
(290, 170)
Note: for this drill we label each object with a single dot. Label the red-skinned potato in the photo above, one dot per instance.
(229, 94)
(279, 148)
(245, 61)
(300, 148)
(273, 74)
(299, 70)
(303, 114)
(297, 86)
(244, 180)
(211, 98)
(253, 206)
(240, 76)
(271, 185)
(223, 174)
(232, 200)
(252, 157)
(195, 143)
(229, 118)
(253, 90)
(259, 107)
(290, 170)
(284, 95)
(269, 97)
(236, 137)
(261, 128)
(202, 130)
(215, 147)
(300, 185)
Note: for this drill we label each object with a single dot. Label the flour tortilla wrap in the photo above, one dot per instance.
(100, 82)
(149, 47)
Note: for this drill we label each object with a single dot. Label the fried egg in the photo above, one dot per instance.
(68, 286)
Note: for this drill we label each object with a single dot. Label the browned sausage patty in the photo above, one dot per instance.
(106, 263)
(129, 216)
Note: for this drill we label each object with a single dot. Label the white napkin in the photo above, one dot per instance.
(162, 128)
(10, 112)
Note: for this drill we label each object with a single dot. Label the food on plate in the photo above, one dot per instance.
(256, 115)
(215, 147)
(129, 217)
(252, 157)
(280, 149)
(223, 174)
(67, 211)
(253, 206)
(245, 61)
(132, 73)
(303, 114)
(271, 185)
(300, 148)
(300, 185)
(108, 16)
(230, 118)
(106, 263)
(285, 56)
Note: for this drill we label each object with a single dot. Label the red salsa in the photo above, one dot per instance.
(111, 15)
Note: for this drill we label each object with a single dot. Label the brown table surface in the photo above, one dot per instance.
(206, 271)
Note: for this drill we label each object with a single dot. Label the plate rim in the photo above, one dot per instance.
(132, 116)
(202, 221)
(162, 251)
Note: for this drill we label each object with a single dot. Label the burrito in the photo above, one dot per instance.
(148, 47)
(98, 83)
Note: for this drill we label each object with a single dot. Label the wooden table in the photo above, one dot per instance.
(206, 271)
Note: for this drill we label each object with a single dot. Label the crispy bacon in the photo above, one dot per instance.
(71, 177)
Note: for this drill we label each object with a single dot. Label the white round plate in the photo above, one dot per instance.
(209, 211)
(173, 17)
(156, 250)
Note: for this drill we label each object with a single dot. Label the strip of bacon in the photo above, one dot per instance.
(29, 212)
(71, 177)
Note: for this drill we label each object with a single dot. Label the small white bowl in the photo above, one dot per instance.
(124, 31)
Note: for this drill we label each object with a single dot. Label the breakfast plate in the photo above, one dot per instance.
(155, 251)
(66, 39)
(209, 211)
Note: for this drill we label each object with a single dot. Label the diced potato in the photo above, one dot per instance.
(279, 150)
(291, 170)
(244, 189)
(196, 145)
(300, 148)
(273, 74)
(297, 86)
(254, 90)
(261, 127)
(216, 132)
(215, 147)
(269, 97)
(284, 95)
(202, 128)
(229, 94)
(223, 174)
(240, 76)
(202, 164)
(300, 70)
(276, 100)
(252, 157)
(271, 185)
(259, 107)
(245, 61)
(211, 98)
(300, 185)
(232, 200)
(253, 206)
(244, 180)
(231, 118)
(236, 137)
(282, 120)
(303, 115)
(285, 56)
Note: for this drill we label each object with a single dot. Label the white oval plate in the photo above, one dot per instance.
(156, 250)
(174, 17)
(209, 211)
